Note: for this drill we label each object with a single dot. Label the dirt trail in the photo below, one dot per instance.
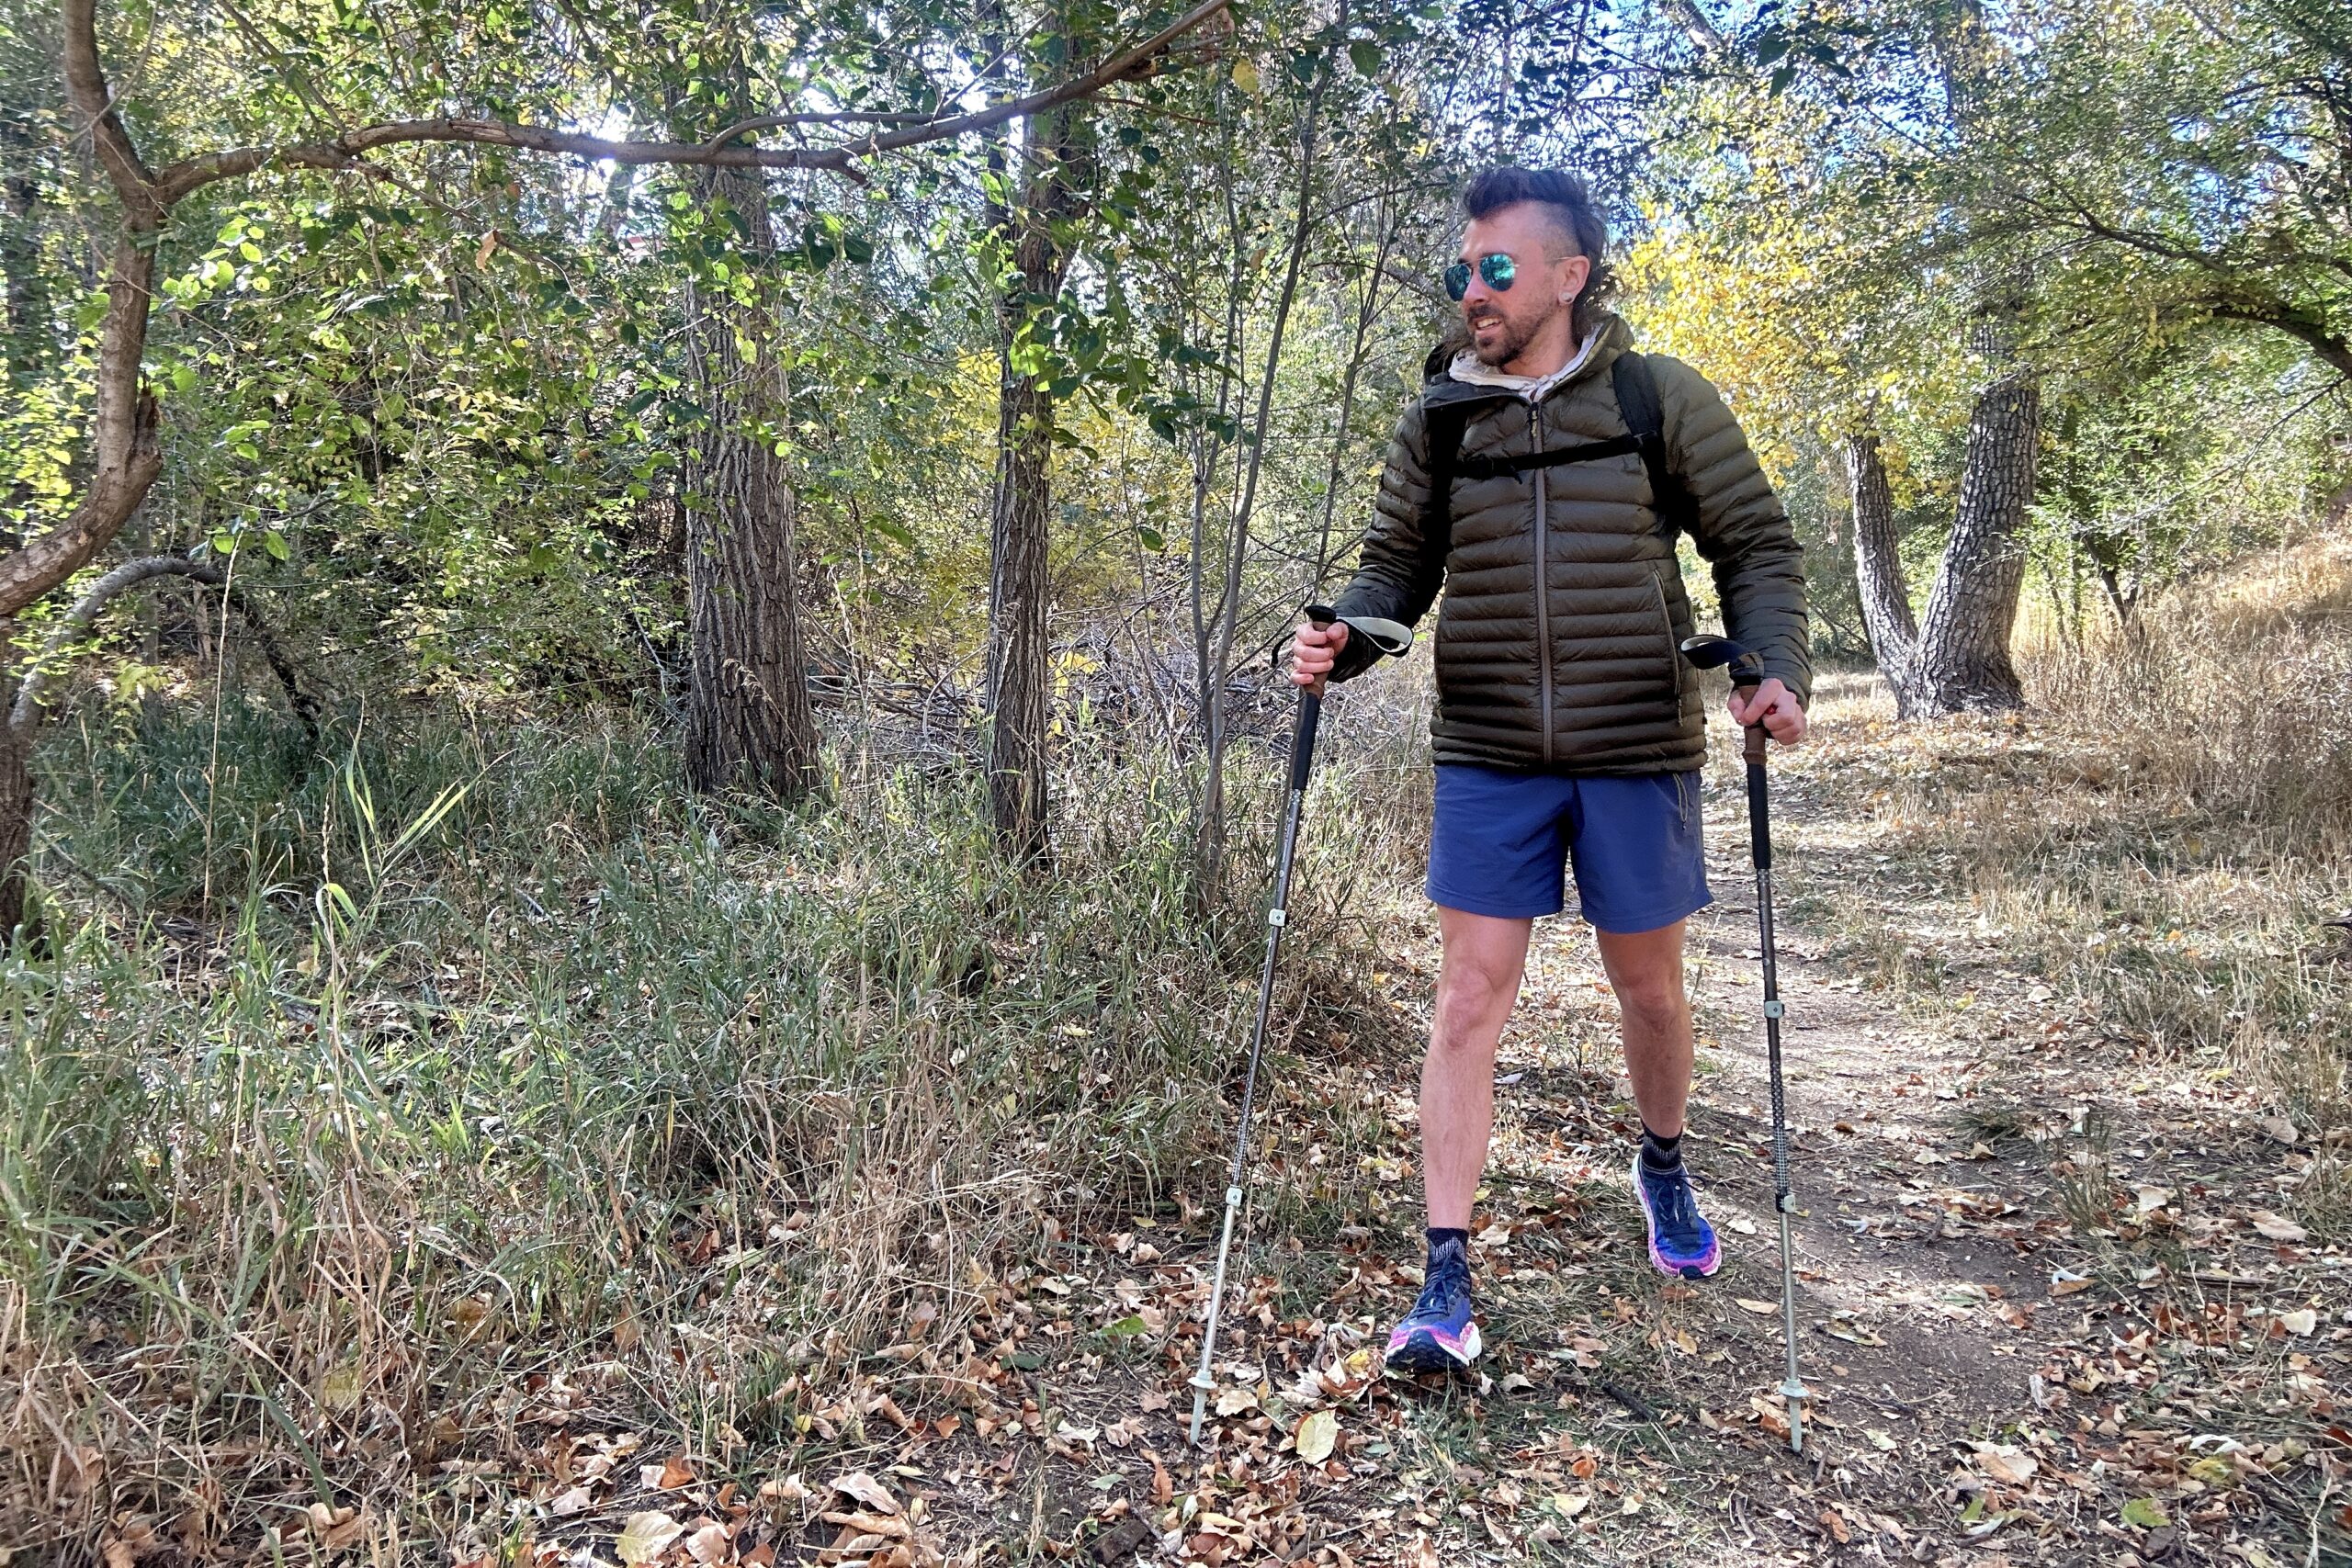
(1991, 1369)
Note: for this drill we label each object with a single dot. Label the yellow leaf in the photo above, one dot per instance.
(646, 1536)
(1245, 76)
(1316, 1435)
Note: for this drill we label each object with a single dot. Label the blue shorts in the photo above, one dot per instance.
(1501, 842)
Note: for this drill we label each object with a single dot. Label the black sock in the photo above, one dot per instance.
(1442, 1236)
(1658, 1154)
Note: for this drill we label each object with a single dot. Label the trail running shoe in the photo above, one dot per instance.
(1682, 1244)
(1439, 1334)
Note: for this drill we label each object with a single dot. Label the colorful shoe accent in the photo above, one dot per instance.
(1682, 1244)
(1439, 1334)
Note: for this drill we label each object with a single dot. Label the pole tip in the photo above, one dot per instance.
(1200, 1409)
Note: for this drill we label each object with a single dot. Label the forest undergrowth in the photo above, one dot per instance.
(355, 1107)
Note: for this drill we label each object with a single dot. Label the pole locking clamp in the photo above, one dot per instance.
(1774, 1009)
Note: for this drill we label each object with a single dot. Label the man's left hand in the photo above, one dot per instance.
(1775, 708)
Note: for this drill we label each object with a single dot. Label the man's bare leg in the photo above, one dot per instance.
(1477, 982)
(1645, 971)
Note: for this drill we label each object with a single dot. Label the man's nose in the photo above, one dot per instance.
(1478, 293)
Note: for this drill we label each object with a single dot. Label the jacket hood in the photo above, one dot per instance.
(1438, 386)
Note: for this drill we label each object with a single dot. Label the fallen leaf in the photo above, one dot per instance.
(709, 1544)
(2150, 1199)
(2146, 1512)
(2214, 1472)
(1234, 1401)
(863, 1487)
(2278, 1129)
(1316, 1437)
(577, 1500)
(2301, 1321)
(646, 1536)
(1761, 1308)
(2006, 1462)
(891, 1528)
(2277, 1228)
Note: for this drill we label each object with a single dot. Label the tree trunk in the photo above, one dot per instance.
(1878, 562)
(1957, 657)
(749, 719)
(1963, 658)
(16, 824)
(1019, 679)
(1021, 522)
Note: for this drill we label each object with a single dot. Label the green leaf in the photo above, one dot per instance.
(1126, 1328)
(1365, 56)
(1153, 539)
(275, 543)
(2145, 1512)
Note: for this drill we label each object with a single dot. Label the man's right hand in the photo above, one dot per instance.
(1314, 650)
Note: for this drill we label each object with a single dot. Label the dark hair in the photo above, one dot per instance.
(1568, 203)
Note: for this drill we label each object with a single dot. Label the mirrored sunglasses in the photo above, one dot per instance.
(1498, 270)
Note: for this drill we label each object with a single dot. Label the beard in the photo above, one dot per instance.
(1511, 338)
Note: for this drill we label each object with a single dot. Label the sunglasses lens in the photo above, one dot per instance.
(1498, 270)
(1457, 280)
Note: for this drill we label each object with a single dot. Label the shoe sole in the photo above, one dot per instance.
(1700, 1270)
(1427, 1350)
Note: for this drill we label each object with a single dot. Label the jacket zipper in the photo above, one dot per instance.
(1673, 654)
(1542, 586)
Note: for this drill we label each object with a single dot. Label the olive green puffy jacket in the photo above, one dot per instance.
(1583, 676)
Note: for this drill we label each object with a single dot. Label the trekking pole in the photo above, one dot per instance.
(1390, 638)
(1747, 674)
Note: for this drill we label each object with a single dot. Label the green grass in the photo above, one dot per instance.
(347, 1093)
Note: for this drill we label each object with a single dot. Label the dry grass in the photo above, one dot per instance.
(496, 1061)
(2162, 835)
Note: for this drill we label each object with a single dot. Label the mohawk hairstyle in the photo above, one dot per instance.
(1574, 216)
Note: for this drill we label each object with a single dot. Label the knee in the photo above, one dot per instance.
(1471, 1000)
(1655, 998)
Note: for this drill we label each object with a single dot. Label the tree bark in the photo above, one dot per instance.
(16, 822)
(1019, 685)
(1878, 562)
(749, 719)
(1963, 661)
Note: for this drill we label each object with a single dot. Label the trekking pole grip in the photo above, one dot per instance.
(1310, 710)
(1759, 804)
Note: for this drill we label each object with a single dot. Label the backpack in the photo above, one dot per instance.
(1637, 401)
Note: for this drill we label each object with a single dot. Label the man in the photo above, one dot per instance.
(1568, 729)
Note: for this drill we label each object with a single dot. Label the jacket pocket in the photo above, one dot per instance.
(1675, 675)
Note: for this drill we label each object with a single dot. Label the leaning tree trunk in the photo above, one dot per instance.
(1878, 563)
(1957, 656)
(749, 720)
(1962, 658)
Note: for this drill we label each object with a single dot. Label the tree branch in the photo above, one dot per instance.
(24, 714)
(86, 89)
(193, 174)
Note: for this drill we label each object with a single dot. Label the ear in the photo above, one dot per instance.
(1574, 270)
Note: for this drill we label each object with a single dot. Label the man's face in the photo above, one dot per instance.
(1503, 322)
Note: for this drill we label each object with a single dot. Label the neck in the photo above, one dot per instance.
(1548, 350)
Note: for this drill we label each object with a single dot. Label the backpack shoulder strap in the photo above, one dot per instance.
(1637, 401)
(1443, 425)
